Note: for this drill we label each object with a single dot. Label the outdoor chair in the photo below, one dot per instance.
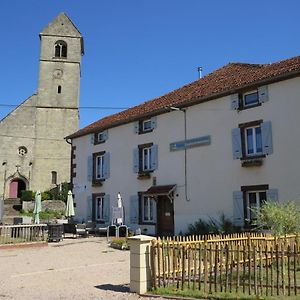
(75, 229)
(91, 227)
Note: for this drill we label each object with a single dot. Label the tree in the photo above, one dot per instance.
(280, 218)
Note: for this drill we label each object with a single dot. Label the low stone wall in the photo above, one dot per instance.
(53, 205)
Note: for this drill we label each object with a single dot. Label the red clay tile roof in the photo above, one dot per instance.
(224, 81)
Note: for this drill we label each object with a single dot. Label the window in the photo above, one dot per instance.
(60, 49)
(100, 167)
(145, 158)
(254, 201)
(249, 199)
(99, 137)
(22, 151)
(100, 208)
(54, 177)
(252, 140)
(249, 99)
(148, 205)
(145, 126)
(59, 89)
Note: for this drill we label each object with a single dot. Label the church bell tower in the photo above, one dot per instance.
(57, 107)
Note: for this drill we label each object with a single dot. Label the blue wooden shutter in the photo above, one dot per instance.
(263, 94)
(105, 135)
(238, 208)
(136, 163)
(234, 101)
(266, 135)
(106, 208)
(272, 195)
(236, 143)
(106, 165)
(90, 168)
(154, 157)
(92, 137)
(89, 207)
(153, 122)
(134, 209)
(136, 127)
(154, 211)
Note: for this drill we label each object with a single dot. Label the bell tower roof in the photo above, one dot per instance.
(62, 26)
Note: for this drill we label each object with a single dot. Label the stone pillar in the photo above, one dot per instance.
(140, 272)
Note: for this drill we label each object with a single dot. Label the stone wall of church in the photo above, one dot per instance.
(17, 130)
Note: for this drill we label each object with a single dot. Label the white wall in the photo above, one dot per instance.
(213, 174)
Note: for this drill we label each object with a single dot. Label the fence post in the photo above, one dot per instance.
(140, 263)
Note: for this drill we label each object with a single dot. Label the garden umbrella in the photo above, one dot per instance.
(69, 213)
(120, 205)
(37, 207)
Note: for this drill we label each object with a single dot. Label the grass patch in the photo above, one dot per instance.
(173, 291)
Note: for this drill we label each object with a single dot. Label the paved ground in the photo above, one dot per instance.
(74, 269)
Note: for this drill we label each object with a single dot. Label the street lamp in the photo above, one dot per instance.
(185, 153)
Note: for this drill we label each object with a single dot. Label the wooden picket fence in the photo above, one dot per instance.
(255, 264)
(15, 234)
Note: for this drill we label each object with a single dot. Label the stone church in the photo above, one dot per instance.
(33, 152)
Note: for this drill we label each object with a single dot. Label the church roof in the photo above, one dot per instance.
(224, 81)
(64, 27)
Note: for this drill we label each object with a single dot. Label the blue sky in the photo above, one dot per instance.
(136, 50)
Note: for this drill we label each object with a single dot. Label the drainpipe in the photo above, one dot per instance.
(185, 150)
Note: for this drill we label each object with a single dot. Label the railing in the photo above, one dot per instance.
(251, 264)
(13, 234)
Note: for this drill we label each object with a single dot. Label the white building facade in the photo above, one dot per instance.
(222, 144)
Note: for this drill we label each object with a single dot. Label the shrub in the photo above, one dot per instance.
(212, 226)
(280, 218)
(46, 196)
(27, 195)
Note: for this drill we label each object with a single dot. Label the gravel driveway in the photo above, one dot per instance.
(84, 268)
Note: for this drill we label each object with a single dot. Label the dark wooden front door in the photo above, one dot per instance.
(165, 216)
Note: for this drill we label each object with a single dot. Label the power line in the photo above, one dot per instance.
(80, 107)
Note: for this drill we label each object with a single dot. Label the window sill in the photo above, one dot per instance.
(146, 131)
(144, 175)
(248, 107)
(98, 182)
(255, 161)
(99, 142)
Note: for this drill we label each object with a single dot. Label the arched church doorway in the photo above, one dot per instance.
(16, 187)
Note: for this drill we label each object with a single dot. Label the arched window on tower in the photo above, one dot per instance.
(60, 49)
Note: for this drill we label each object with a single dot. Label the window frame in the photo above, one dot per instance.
(243, 129)
(244, 95)
(142, 129)
(101, 214)
(97, 179)
(142, 148)
(253, 189)
(95, 198)
(150, 209)
(60, 49)
(141, 219)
